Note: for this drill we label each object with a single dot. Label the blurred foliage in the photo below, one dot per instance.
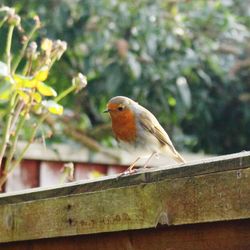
(26, 101)
(186, 61)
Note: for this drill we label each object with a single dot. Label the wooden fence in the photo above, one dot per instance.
(203, 205)
(42, 166)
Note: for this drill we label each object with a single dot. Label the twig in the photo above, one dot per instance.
(6, 133)
(8, 46)
(20, 157)
(14, 143)
(19, 58)
(16, 115)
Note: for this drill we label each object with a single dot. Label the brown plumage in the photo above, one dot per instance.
(137, 129)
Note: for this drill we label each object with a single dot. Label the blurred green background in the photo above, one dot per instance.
(186, 61)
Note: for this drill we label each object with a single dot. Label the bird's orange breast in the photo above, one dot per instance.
(123, 125)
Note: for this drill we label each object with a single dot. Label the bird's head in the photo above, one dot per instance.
(120, 106)
(123, 116)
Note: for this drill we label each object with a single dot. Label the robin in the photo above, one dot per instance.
(136, 129)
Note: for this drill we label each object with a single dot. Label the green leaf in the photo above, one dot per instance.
(171, 101)
(53, 107)
(45, 89)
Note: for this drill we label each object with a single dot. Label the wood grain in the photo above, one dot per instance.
(233, 235)
(217, 196)
(213, 165)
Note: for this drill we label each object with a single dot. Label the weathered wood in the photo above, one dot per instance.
(233, 235)
(193, 199)
(216, 164)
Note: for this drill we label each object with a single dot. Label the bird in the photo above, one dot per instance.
(137, 130)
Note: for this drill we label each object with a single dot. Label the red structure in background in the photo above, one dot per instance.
(43, 166)
(39, 173)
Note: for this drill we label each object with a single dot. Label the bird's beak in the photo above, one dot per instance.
(106, 111)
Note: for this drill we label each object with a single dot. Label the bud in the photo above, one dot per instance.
(79, 81)
(31, 50)
(46, 46)
(24, 38)
(58, 48)
(37, 22)
(68, 170)
(14, 19)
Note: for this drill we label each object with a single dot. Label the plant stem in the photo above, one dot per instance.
(20, 56)
(3, 21)
(16, 115)
(27, 68)
(6, 132)
(14, 144)
(40, 121)
(53, 61)
(20, 157)
(64, 93)
(4, 177)
(16, 134)
(13, 101)
(8, 46)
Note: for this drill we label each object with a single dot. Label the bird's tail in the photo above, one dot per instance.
(175, 155)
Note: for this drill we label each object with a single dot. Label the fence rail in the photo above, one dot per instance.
(209, 191)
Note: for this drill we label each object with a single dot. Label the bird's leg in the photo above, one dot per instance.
(149, 158)
(133, 164)
(130, 169)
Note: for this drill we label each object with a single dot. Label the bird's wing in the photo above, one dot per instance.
(150, 123)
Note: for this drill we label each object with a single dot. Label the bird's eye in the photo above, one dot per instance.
(120, 108)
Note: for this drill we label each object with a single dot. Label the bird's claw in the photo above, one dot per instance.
(127, 172)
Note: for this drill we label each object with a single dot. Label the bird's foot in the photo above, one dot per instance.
(129, 171)
(154, 154)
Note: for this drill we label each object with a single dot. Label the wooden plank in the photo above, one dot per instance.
(216, 236)
(213, 165)
(211, 197)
